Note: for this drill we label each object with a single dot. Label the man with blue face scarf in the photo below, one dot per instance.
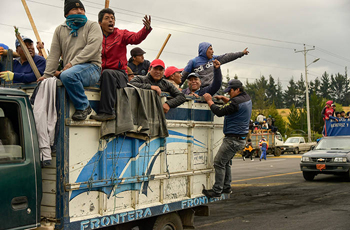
(79, 42)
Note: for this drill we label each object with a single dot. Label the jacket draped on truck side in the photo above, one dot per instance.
(139, 113)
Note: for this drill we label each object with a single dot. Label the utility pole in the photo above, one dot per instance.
(307, 90)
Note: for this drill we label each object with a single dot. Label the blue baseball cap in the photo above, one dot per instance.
(233, 84)
(24, 38)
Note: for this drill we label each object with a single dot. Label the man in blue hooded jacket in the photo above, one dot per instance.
(203, 63)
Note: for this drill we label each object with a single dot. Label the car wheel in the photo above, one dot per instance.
(309, 176)
(296, 151)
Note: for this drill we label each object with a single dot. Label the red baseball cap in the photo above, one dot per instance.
(329, 102)
(157, 62)
(171, 70)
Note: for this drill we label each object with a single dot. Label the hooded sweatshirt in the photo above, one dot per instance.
(204, 66)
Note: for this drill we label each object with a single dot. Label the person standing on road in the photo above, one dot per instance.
(237, 111)
(264, 146)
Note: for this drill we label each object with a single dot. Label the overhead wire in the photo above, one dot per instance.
(175, 22)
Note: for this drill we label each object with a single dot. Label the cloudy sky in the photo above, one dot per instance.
(271, 29)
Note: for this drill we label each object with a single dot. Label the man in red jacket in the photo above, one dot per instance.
(114, 62)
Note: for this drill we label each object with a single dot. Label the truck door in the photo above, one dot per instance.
(20, 193)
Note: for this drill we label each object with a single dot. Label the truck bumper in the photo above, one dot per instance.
(331, 168)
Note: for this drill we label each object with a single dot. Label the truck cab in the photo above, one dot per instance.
(20, 172)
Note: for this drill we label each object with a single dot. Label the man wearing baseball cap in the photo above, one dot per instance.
(237, 111)
(22, 71)
(194, 83)
(137, 62)
(154, 80)
(173, 75)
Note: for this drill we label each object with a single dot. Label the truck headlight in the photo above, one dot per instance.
(305, 159)
(340, 159)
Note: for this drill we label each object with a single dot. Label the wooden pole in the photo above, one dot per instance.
(161, 50)
(28, 56)
(33, 26)
(107, 4)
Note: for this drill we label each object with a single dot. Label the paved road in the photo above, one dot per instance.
(272, 194)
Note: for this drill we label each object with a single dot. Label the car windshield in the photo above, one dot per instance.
(292, 140)
(334, 144)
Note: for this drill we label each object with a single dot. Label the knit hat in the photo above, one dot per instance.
(329, 102)
(70, 4)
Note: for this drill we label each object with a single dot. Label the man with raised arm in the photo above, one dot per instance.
(195, 85)
(203, 63)
(114, 62)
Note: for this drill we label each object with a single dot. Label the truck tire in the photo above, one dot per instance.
(171, 221)
(309, 176)
(278, 152)
(296, 150)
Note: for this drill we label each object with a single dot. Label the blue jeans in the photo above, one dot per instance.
(263, 153)
(228, 149)
(76, 78)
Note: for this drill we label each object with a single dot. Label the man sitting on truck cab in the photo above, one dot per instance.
(114, 62)
(154, 80)
(22, 71)
(79, 41)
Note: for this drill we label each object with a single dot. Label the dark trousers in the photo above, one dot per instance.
(110, 81)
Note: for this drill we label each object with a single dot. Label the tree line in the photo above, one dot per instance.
(268, 96)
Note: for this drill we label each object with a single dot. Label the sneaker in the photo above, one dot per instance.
(228, 190)
(81, 115)
(252, 159)
(103, 117)
(45, 163)
(244, 158)
(259, 159)
(209, 193)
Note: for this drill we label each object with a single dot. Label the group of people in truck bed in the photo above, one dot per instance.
(89, 52)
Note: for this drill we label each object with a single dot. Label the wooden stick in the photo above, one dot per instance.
(28, 56)
(33, 26)
(161, 50)
(107, 4)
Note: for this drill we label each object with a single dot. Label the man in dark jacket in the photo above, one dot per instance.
(203, 63)
(114, 62)
(137, 62)
(154, 80)
(237, 111)
(194, 83)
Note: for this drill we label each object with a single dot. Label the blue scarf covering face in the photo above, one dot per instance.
(75, 21)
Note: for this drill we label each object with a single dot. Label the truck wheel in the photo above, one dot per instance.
(296, 151)
(278, 152)
(309, 176)
(171, 221)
